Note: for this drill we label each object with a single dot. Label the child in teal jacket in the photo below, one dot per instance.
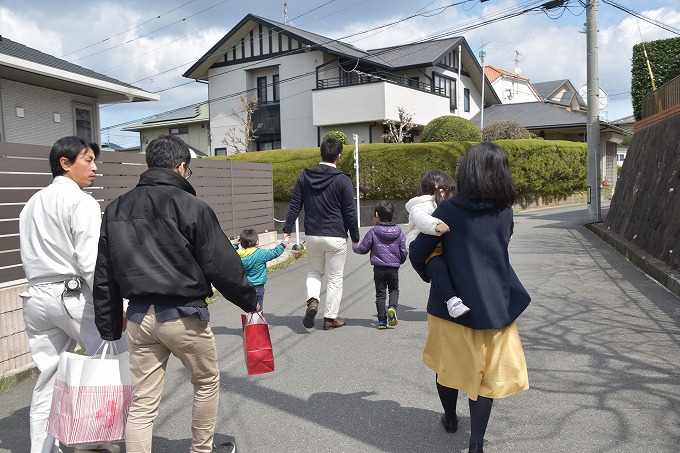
(255, 260)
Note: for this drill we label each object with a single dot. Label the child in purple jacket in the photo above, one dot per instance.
(387, 245)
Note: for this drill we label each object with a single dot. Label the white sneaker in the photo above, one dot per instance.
(456, 307)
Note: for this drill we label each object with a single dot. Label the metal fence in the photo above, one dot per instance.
(663, 98)
(240, 193)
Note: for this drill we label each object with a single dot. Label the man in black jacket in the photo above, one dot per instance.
(162, 248)
(328, 198)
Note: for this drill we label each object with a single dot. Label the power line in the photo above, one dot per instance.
(642, 17)
(129, 29)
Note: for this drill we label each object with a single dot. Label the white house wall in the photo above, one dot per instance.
(512, 91)
(38, 125)
(197, 136)
(227, 83)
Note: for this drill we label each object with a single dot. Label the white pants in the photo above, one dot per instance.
(326, 255)
(54, 327)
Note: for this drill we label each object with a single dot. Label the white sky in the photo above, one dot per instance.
(151, 43)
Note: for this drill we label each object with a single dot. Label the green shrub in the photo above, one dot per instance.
(393, 170)
(451, 128)
(664, 59)
(337, 134)
(504, 130)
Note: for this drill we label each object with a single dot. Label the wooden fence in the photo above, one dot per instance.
(240, 193)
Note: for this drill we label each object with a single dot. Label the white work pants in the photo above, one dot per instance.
(54, 327)
(326, 255)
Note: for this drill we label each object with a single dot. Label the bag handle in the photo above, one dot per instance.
(104, 347)
(249, 317)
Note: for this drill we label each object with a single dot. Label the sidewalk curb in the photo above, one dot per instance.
(651, 266)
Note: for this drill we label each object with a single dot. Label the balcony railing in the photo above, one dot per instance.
(362, 78)
(665, 97)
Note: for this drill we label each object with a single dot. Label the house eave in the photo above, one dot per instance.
(31, 73)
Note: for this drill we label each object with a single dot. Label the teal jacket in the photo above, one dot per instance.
(255, 262)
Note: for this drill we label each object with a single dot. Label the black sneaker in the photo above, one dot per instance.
(450, 425)
(227, 447)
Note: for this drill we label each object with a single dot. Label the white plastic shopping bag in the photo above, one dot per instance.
(91, 398)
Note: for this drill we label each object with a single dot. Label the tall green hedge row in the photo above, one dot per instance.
(392, 170)
(664, 59)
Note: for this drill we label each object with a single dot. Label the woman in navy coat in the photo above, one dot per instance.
(479, 352)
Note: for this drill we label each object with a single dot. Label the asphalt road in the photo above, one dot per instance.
(601, 341)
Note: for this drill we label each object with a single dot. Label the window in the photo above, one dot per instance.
(262, 90)
(220, 151)
(447, 87)
(84, 122)
(275, 86)
(466, 99)
(179, 130)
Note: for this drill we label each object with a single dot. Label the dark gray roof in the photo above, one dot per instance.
(531, 115)
(417, 54)
(537, 115)
(190, 111)
(408, 55)
(14, 49)
(630, 119)
(546, 89)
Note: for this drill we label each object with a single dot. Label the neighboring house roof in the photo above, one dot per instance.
(195, 113)
(538, 115)
(549, 90)
(27, 65)
(419, 54)
(630, 119)
(493, 73)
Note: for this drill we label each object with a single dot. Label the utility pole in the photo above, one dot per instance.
(482, 54)
(593, 118)
(356, 166)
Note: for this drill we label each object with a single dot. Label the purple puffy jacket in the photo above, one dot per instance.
(387, 245)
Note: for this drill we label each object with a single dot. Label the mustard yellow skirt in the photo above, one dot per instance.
(488, 363)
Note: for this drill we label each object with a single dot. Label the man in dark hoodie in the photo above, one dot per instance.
(328, 199)
(162, 248)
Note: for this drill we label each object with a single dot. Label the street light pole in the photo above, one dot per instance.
(482, 54)
(356, 166)
(593, 118)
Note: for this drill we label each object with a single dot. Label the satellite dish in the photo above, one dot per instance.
(602, 98)
(518, 71)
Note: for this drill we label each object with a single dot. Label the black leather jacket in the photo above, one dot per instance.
(160, 244)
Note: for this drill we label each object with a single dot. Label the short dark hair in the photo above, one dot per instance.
(331, 148)
(70, 148)
(385, 210)
(484, 175)
(248, 238)
(167, 151)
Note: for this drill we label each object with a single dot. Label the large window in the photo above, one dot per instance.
(466, 99)
(262, 89)
(84, 122)
(447, 87)
(275, 86)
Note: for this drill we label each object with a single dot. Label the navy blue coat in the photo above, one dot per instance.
(476, 250)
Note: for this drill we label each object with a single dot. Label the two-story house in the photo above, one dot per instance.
(511, 87)
(44, 98)
(307, 84)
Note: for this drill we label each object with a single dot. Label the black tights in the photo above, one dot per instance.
(480, 411)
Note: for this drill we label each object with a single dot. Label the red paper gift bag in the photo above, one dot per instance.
(257, 344)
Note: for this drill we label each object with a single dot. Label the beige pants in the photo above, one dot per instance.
(151, 343)
(326, 255)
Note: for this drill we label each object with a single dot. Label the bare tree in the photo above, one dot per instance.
(397, 130)
(240, 137)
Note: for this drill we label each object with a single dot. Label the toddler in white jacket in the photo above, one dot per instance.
(435, 186)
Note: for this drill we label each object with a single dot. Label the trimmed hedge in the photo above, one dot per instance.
(392, 170)
(449, 128)
(664, 57)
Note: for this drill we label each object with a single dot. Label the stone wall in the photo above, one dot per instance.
(645, 209)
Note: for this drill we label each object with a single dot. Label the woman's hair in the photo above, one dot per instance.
(248, 238)
(484, 175)
(434, 180)
(70, 148)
